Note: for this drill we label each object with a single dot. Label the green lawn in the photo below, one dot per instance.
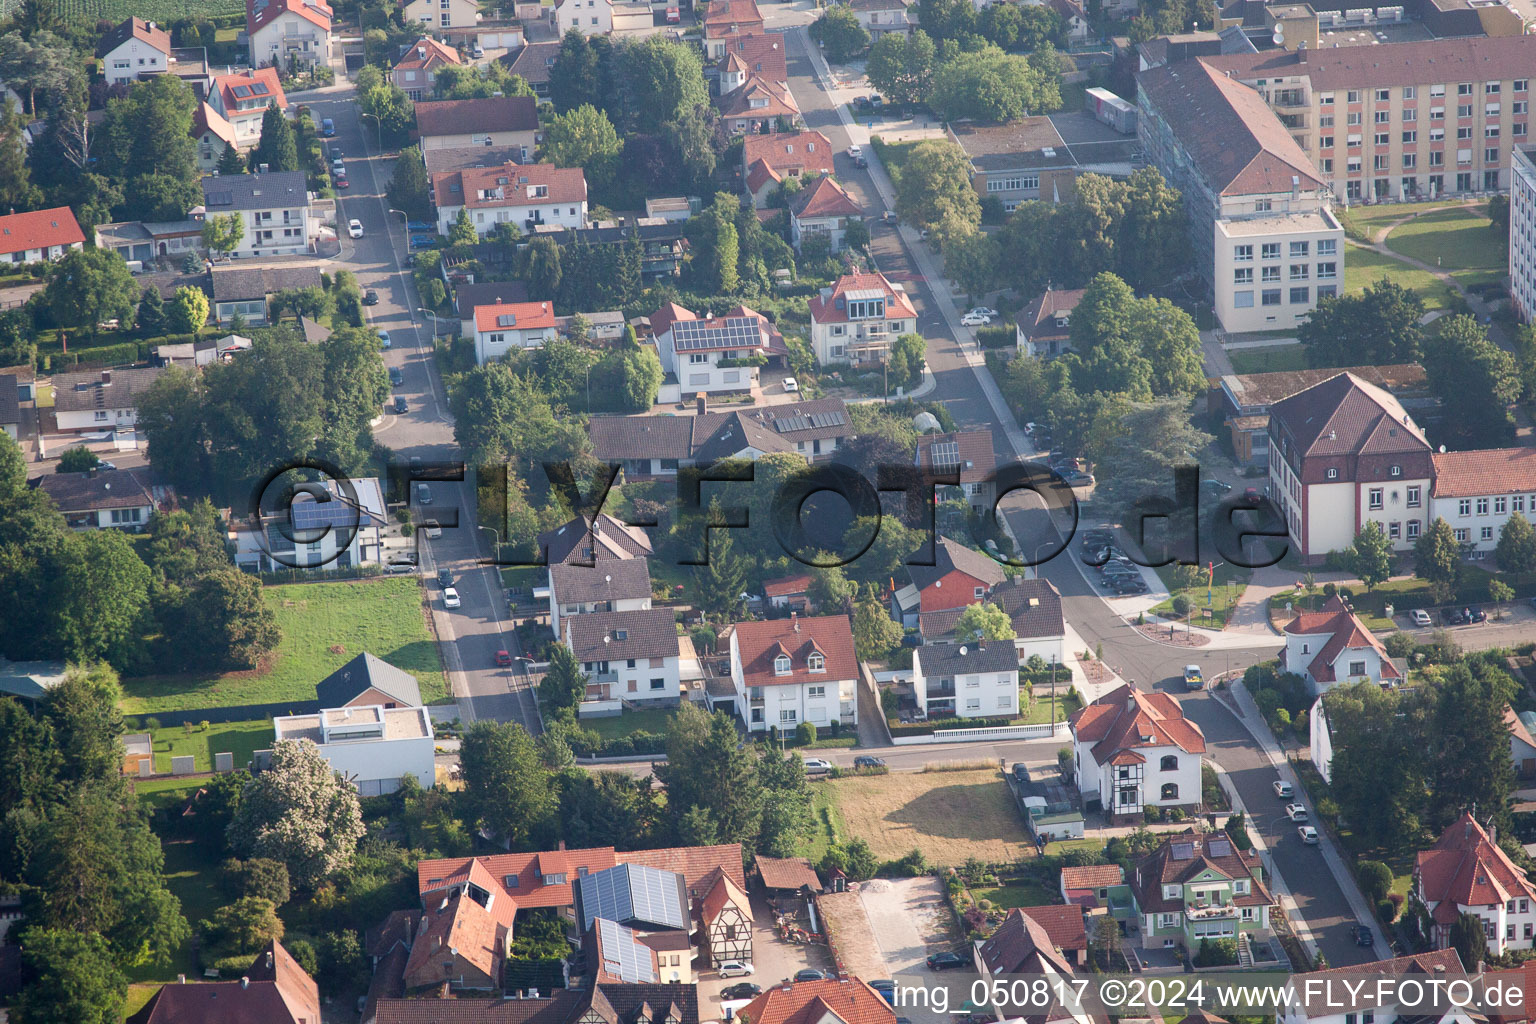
(1268, 360)
(1039, 711)
(892, 154)
(829, 822)
(1363, 267)
(1373, 218)
(1023, 894)
(1223, 597)
(650, 720)
(324, 625)
(1460, 239)
(238, 738)
(192, 876)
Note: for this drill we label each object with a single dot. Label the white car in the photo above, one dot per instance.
(434, 530)
(817, 764)
(855, 151)
(355, 228)
(1282, 788)
(450, 598)
(1308, 835)
(735, 969)
(384, 340)
(1296, 812)
(984, 311)
(790, 384)
(1421, 617)
(974, 320)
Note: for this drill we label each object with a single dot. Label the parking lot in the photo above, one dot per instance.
(773, 960)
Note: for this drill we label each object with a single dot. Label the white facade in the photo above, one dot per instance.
(967, 694)
(79, 420)
(371, 746)
(441, 14)
(862, 336)
(1167, 776)
(633, 679)
(1321, 741)
(701, 372)
(335, 548)
(589, 17)
(786, 706)
(1522, 232)
(132, 58)
(290, 35)
(1350, 665)
(831, 228)
(1335, 512)
(494, 344)
(542, 211)
(1271, 270)
(1478, 520)
(562, 609)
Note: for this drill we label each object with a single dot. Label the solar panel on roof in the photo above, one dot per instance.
(623, 954)
(241, 91)
(317, 515)
(1219, 847)
(259, 89)
(221, 198)
(789, 424)
(854, 295)
(633, 892)
(1183, 851)
(945, 453)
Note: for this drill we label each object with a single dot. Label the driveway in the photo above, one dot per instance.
(773, 960)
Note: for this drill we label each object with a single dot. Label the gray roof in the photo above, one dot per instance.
(614, 636)
(949, 556)
(97, 490)
(224, 193)
(487, 293)
(235, 284)
(632, 892)
(717, 435)
(10, 399)
(533, 61)
(613, 579)
(1033, 605)
(457, 158)
(607, 537)
(117, 388)
(30, 678)
(365, 671)
(1036, 143)
(314, 332)
(967, 658)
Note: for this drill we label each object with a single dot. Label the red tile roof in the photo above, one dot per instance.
(39, 229)
(1348, 633)
(722, 16)
(259, 15)
(509, 185)
(975, 451)
(788, 873)
(1127, 718)
(1467, 868)
(825, 308)
(526, 315)
(1022, 945)
(1491, 471)
(1432, 962)
(774, 97)
(826, 199)
(1189, 854)
(457, 929)
(786, 586)
(427, 54)
(722, 893)
(773, 156)
(798, 636)
(263, 82)
(275, 991)
(492, 871)
(759, 54)
(210, 122)
(1063, 922)
(1427, 62)
(1092, 876)
(694, 863)
(1039, 318)
(808, 1002)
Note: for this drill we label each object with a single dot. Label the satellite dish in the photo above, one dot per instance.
(1279, 37)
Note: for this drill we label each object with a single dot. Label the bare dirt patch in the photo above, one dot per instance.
(949, 816)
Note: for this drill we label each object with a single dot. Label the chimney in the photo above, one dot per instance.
(1493, 834)
(181, 979)
(561, 847)
(443, 905)
(794, 620)
(701, 402)
(269, 959)
(245, 982)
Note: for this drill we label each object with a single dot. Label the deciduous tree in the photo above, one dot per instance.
(839, 33)
(983, 622)
(74, 978)
(935, 181)
(1476, 382)
(1516, 549)
(88, 287)
(1381, 325)
(1437, 559)
(223, 232)
(300, 812)
(188, 311)
(1370, 556)
(408, 185)
(875, 633)
(507, 788)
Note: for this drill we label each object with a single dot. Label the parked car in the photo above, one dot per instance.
(809, 974)
(418, 225)
(887, 989)
(790, 384)
(1453, 617)
(451, 598)
(477, 52)
(433, 528)
(674, 15)
(384, 340)
(1194, 678)
(396, 568)
(355, 228)
(340, 181)
(1252, 494)
(1020, 771)
(974, 320)
(1215, 488)
(370, 297)
(855, 151)
(423, 241)
(1282, 788)
(735, 969)
(423, 494)
(817, 764)
(1421, 617)
(1127, 585)
(1308, 835)
(401, 405)
(327, 127)
(503, 658)
(984, 311)
(1363, 936)
(444, 578)
(1475, 614)
(1077, 478)
(396, 376)
(866, 761)
(1296, 812)
(741, 990)
(947, 961)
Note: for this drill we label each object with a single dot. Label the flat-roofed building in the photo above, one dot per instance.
(373, 747)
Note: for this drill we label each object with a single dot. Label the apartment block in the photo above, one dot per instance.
(1522, 231)
(1400, 120)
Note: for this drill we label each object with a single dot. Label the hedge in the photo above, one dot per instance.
(1523, 584)
(899, 728)
(997, 337)
(586, 743)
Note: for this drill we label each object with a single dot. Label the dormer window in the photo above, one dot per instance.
(781, 665)
(1396, 471)
(509, 882)
(816, 663)
(558, 879)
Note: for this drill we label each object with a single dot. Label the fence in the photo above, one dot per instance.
(235, 713)
(1011, 732)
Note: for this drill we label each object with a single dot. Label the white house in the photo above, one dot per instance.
(526, 195)
(211, 131)
(612, 585)
(342, 531)
(505, 326)
(441, 14)
(1320, 740)
(133, 49)
(1477, 492)
(1333, 647)
(1134, 750)
(968, 454)
(822, 211)
(630, 657)
(713, 354)
(39, 235)
(492, 122)
(372, 747)
(1349, 1008)
(880, 17)
(856, 320)
(799, 669)
(100, 400)
(280, 31)
(106, 500)
(1467, 872)
(243, 98)
(970, 680)
(589, 17)
(274, 207)
(1522, 743)
(416, 72)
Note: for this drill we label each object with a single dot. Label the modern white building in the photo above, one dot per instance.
(284, 31)
(1522, 231)
(508, 326)
(441, 14)
(630, 657)
(799, 669)
(611, 585)
(858, 317)
(343, 531)
(1270, 271)
(372, 747)
(274, 207)
(525, 195)
(978, 679)
(1134, 750)
(589, 17)
(1332, 647)
(1477, 492)
(133, 49)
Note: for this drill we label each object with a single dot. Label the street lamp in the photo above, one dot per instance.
(379, 123)
(495, 533)
(589, 390)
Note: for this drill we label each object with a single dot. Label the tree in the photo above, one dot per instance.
(355, 385)
(973, 261)
(276, 149)
(188, 311)
(78, 459)
(713, 786)
(16, 189)
(462, 230)
(564, 686)
(1375, 880)
(261, 877)
(786, 821)
(171, 418)
(1142, 444)
(1379, 326)
(222, 623)
(1468, 747)
(88, 287)
(1498, 216)
(73, 978)
(506, 788)
(159, 197)
(223, 232)
(102, 598)
(1516, 549)
(1379, 789)
(988, 84)
(1370, 556)
(875, 633)
(663, 82)
(830, 590)
(230, 161)
(935, 182)
(983, 622)
(149, 318)
(1476, 382)
(575, 78)
(1437, 559)
(1469, 941)
(242, 927)
(407, 190)
(299, 812)
(1500, 593)
(719, 582)
(539, 266)
(585, 138)
(264, 409)
(901, 66)
(13, 467)
(840, 34)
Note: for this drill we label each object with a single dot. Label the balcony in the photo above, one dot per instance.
(941, 692)
(1291, 98)
(1210, 912)
(1293, 122)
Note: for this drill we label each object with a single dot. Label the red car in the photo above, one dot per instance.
(341, 182)
(503, 659)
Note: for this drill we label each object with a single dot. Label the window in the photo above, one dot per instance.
(1270, 251)
(1437, 159)
(1352, 96)
(1413, 528)
(1379, 163)
(1464, 507)
(658, 684)
(1462, 535)
(1410, 161)
(815, 691)
(1298, 250)
(1490, 88)
(1300, 271)
(1518, 107)
(973, 704)
(1383, 95)
(1375, 498)
(1325, 99)
(1437, 113)
(1327, 246)
(1242, 300)
(1411, 114)
(1325, 142)
(1271, 275)
(1170, 791)
(1482, 506)
(1394, 528)
(1301, 296)
(1383, 116)
(1353, 120)
(786, 715)
(1357, 668)
(1333, 474)
(781, 665)
(972, 682)
(1325, 121)
(1242, 275)
(1521, 84)
(1464, 110)
(1464, 89)
(1415, 496)
(1327, 271)
(1262, 205)
(1500, 506)
(1487, 533)
(1410, 137)
(1242, 254)
(815, 662)
(1353, 167)
(1270, 297)
(1327, 165)
(1517, 503)
(1004, 701)
(1170, 763)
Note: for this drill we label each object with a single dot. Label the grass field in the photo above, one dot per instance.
(1027, 894)
(1371, 219)
(192, 877)
(950, 816)
(238, 738)
(324, 625)
(1227, 591)
(1460, 239)
(1268, 360)
(1363, 267)
(165, 11)
(652, 720)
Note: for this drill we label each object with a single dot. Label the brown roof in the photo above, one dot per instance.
(1092, 876)
(1024, 135)
(716, 435)
(759, 53)
(607, 538)
(1432, 962)
(952, 556)
(1127, 718)
(615, 636)
(825, 199)
(135, 28)
(509, 184)
(1236, 142)
(455, 930)
(1344, 422)
(1258, 391)
(1469, 869)
(798, 637)
(533, 61)
(694, 863)
(117, 388)
(770, 157)
(609, 1003)
(788, 873)
(1346, 631)
(92, 492)
(1184, 856)
(826, 308)
(977, 458)
(777, 100)
(1063, 922)
(1022, 945)
(397, 929)
(1491, 471)
(427, 53)
(275, 990)
(786, 586)
(467, 117)
(808, 1002)
(1033, 606)
(1038, 320)
(613, 579)
(1429, 61)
